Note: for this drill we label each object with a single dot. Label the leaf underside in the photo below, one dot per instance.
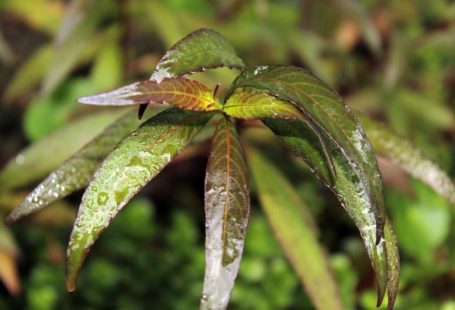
(76, 172)
(403, 153)
(179, 92)
(200, 50)
(292, 225)
(227, 208)
(135, 161)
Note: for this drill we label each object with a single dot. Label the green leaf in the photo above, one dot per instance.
(179, 92)
(294, 227)
(259, 105)
(227, 208)
(348, 187)
(134, 162)
(200, 50)
(393, 263)
(76, 172)
(37, 160)
(326, 109)
(410, 158)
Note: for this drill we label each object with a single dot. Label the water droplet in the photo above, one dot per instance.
(20, 159)
(102, 198)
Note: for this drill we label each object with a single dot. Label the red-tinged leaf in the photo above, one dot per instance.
(293, 226)
(135, 161)
(179, 92)
(227, 207)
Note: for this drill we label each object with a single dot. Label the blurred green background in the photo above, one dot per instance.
(391, 59)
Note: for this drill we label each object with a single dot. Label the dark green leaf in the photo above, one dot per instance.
(179, 92)
(200, 50)
(134, 162)
(75, 173)
(348, 187)
(403, 153)
(293, 225)
(42, 157)
(327, 110)
(227, 208)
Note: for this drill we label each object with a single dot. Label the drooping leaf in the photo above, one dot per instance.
(259, 105)
(133, 163)
(39, 159)
(347, 187)
(292, 224)
(227, 208)
(327, 110)
(393, 263)
(410, 158)
(200, 50)
(179, 92)
(76, 172)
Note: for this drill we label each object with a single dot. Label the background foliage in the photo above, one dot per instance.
(394, 60)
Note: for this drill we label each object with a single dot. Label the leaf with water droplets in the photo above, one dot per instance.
(227, 207)
(347, 187)
(294, 227)
(200, 50)
(326, 109)
(410, 158)
(39, 159)
(133, 163)
(179, 92)
(76, 172)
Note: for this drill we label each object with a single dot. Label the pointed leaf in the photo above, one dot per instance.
(37, 160)
(259, 105)
(200, 50)
(135, 161)
(393, 263)
(292, 224)
(227, 208)
(76, 172)
(347, 187)
(327, 110)
(410, 158)
(179, 92)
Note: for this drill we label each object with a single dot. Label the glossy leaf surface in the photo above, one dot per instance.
(179, 92)
(327, 110)
(292, 224)
(37, 160)
(200, 50)
(403, 153)
(227, 207)
(133, 163)
(76, 172)
(303, 142)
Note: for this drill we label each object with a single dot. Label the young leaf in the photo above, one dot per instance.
(327, 110)
(227, 208)
(76, 172)
(42, 157)
(347, 187)
(259, 105)
(179, 92)
(200, 50)
(403, 153)
(292, 225)
(134, 162)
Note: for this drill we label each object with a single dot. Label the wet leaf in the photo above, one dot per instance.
(179, 92)
(227, 208)
(347, 187)
(294, 227)
(393, 263)
(410, 158)
(76, 172)
(326, 109)
(200, 50)
(133, 163)
(39, 159)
